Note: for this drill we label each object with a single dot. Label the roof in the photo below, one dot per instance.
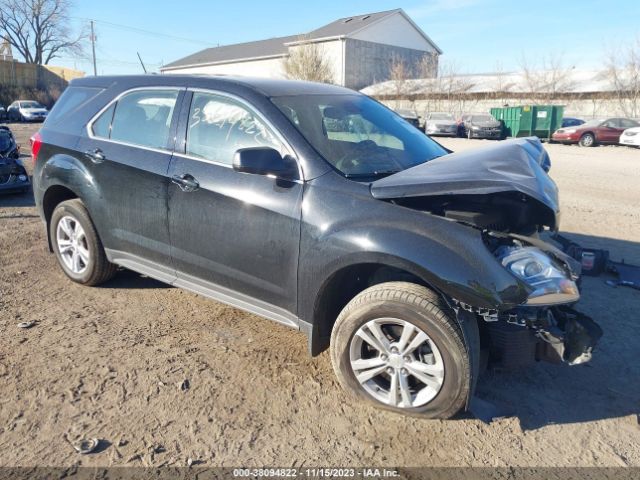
(278, 46)
(269, 87)
(349, 25)
(573, 81)
(271, 47)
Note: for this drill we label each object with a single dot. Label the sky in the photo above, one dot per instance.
(476, 36)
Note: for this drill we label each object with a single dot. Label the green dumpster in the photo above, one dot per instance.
(530, 120)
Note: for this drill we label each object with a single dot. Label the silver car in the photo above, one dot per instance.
(27, 111)
(439, 123)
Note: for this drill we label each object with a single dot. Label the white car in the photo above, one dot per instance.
(27, 111)
(631, 137)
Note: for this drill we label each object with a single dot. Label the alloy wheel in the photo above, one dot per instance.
(72, 244)
(396, 363)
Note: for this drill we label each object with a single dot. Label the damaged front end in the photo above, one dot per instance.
(520, 336)
(504, 191)
(545, 327)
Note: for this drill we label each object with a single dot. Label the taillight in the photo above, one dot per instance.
(36, 143)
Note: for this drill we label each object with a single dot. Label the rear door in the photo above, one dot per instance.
(233, 233)
(128, 149)
(610, 131)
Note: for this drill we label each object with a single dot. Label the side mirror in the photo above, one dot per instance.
(265, 161)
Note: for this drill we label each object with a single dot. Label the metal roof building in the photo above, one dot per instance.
(360, 50)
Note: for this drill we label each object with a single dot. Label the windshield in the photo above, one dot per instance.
(440, 116)
(357, 135)
(5, 140)
(30, 105)
(593, 123)
(482, 118)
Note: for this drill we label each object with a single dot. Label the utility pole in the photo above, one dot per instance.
(93, 49)
(141, 62)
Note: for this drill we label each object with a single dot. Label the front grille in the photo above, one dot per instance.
(4, 179)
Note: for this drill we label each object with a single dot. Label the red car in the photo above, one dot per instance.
(594, 132)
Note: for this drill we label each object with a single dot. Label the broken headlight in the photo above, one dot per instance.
(549, 282)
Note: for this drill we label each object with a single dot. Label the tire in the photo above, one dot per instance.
(418, 308)
(587, 140)
(93, 266)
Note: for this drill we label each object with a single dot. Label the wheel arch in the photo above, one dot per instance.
(349, 280)
(54, 196)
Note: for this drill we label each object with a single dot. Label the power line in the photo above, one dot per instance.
(146, 32)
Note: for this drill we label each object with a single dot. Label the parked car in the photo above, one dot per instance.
(400, 257)
(481, 125)
(594, 132)
(631, 137)
(440, 124)
(26, 111)
(571, 122)
(8, 146)
(410, 116)
(13, 176)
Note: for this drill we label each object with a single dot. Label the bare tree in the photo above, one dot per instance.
(306, 61)
(39, 29)
(546, 80)
(623, 72)
(398, 73)
(454, 87)
(428, 66)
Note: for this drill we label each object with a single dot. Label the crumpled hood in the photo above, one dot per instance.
(517, 165)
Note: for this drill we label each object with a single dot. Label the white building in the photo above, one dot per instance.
(360, 50)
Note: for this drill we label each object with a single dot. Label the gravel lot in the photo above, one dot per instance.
(108, 362)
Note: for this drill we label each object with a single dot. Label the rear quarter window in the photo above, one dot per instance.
(71, 99)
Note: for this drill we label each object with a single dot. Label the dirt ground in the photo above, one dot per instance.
(109, 363)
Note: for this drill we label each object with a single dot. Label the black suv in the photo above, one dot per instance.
(319, 208)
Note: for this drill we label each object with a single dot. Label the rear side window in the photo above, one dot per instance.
(140, 118)
(102, 126)
(626, 123)
(70, 100)
(219, 126)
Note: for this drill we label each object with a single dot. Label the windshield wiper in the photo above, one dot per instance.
(376, 174)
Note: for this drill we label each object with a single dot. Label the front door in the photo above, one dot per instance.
(233, 232)
(129, 149)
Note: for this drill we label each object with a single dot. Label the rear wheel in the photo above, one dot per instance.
(398, 346)
(587, 140)
(77, 245)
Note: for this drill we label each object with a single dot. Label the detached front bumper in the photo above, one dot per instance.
(13, 183)
(556, 334)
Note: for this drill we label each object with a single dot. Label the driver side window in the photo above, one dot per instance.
(219, 126)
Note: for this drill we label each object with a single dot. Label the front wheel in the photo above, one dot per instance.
(587, 140)
(77, 245)
(398, 346)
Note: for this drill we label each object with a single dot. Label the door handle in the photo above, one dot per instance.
(95, 155)
(186, 182)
